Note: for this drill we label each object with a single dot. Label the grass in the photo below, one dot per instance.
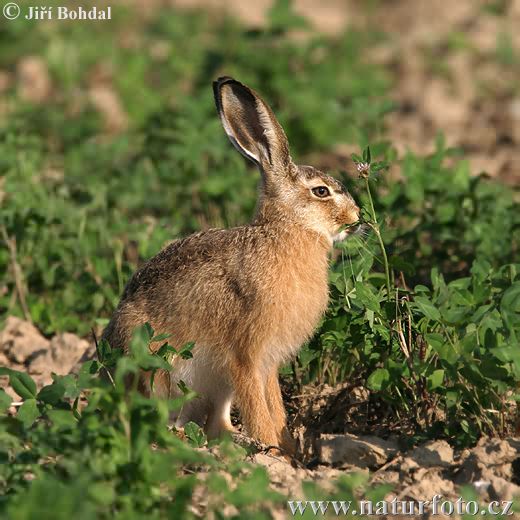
(424, 310)
(84, 207)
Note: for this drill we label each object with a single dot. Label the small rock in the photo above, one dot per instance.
(272, 461)
(433, 454)
(107, 102)
(281, 474)
(495, 451)
(481, 486)
(34, 83)
(21, 340)
(429, 483)
(515, 444)
(387, 477)
(363, 452)
(491, 458)
(502, 489)
(326, 478)
(65, 351)
(359, 394)
(408, 465)
(4, 361)
(8, 390)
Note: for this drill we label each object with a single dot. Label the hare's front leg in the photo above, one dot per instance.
(273, 396)
(249, 386)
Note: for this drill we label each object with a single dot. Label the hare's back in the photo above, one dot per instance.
(194, 284)
(194, 254)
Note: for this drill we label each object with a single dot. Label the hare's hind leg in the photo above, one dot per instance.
(212, 406)
(249, 386)
(219, 416)
(273, 396)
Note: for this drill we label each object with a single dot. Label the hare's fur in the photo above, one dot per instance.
(248, 297)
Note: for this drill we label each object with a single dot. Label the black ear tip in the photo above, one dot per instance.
(219, 82)
(225, 79)
(217, 86)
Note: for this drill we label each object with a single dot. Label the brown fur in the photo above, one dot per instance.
(248, 297)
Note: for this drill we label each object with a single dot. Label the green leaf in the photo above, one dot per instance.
(148, 331)
(102, 493)
(427, 308)
(184, 388)
(62, 418)
(22, 384)
(456, 315)
(378, 166)
(51, 394)
(185, 352)
(442, 346)
(367, 156)
(28, 412)
(435, 379)
(366, 297)
(88, 370)
(140, 350)
(165, 351)
(70, 383)
(251, 489)
(511, 298)
(378, 379)
(104, 350)
(490, 322)
(402, 265)
(283, 17)
(195, 434)
(5, 400)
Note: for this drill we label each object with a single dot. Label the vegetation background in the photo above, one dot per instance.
(110, 147)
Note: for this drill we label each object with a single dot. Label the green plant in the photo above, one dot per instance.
(94, 448)
(84, 208)
(441, 354)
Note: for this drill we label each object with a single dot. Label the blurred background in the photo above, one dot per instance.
(110, 145)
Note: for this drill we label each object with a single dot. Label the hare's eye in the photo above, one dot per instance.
(321, 191)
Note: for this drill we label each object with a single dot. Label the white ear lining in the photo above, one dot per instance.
(246, 153)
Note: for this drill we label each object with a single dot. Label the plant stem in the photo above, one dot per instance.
(375, 226)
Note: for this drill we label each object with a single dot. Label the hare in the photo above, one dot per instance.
(249, 296)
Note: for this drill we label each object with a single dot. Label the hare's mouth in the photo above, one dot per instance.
(347, 230)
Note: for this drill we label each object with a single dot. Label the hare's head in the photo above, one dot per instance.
(289, 192)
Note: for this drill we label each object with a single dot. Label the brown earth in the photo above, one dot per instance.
(491, 469)
(23, 348)
(456, 69)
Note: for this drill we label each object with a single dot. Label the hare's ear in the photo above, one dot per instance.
(251, 126)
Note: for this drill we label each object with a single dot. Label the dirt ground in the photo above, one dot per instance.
(491, 469)
(455, 68)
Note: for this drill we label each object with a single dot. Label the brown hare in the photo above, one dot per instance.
(249, 296)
